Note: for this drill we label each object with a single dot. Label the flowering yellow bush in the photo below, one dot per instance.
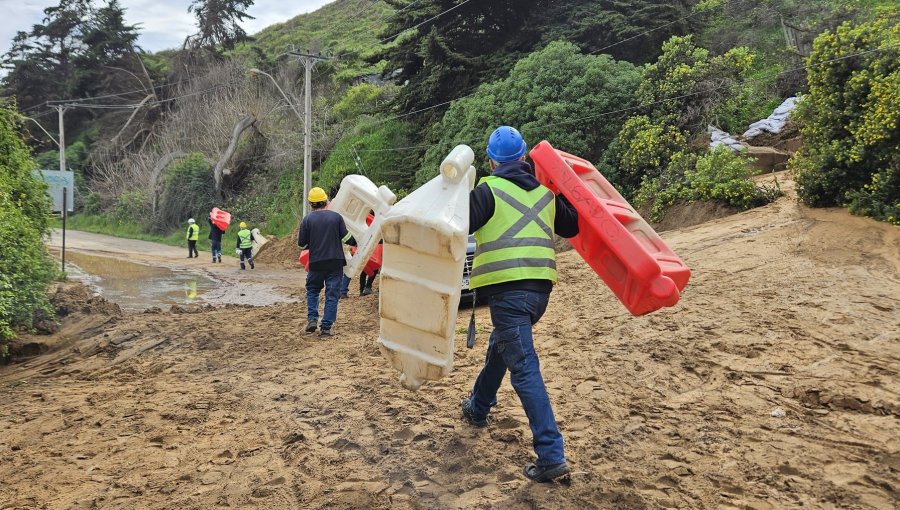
(850, 120)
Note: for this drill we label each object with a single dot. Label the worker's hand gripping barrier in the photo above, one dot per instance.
(425, 239)
(636, 264)
(357, 196)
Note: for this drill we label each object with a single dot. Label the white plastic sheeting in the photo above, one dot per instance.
(773, 123)
(720, 138)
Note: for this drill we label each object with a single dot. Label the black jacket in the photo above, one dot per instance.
(215, 233)
(324, 232)
(481, 209)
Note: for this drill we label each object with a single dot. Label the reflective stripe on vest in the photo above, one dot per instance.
(193, 232)
(244, 236)
(517, 242)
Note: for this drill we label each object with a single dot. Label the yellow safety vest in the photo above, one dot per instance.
(244, 236)
(193, 232)
(517, 242)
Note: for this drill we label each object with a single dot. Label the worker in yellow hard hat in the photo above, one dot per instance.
(322, 232)
(245, 240)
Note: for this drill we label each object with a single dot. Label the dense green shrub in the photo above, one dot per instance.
(132, 207)
(689, 88)
(543, 96)
(25, 268)
(360, 100)
(642, 151)
(373, 142)
(720, 176)
(851, 120)
(188, 191)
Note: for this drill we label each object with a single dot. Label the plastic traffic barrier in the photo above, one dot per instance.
(220, 218)
(425, 239)
(355, 199)
(630, 257)
(258, 241)
(374, 263)
(304, 260)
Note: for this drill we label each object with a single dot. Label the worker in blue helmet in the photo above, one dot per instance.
(513, 218)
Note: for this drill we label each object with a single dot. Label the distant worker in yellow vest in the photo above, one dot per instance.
(514, 218)
(245, 240)
(193, 234)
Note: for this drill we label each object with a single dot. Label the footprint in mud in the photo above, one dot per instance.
(508, 423)
(404, 434)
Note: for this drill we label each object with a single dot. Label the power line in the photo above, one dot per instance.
(653, 103)
(151, 103)
(398, 116)
(390, 38)
(649, 31)
(105, 96)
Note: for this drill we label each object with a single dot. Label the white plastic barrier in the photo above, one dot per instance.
(356, 197)
(258, 241)
(425, 237)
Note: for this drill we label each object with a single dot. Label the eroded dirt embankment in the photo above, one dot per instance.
(788, 309)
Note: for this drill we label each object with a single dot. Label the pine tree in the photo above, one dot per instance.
(218, 23)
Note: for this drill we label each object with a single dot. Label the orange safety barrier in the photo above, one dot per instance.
(220, 218)
(636, 264)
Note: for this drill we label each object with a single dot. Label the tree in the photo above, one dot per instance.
(451, 53)
(849, 119)
(218, 23)
(552, 94)
(25, 268)
(109, 43)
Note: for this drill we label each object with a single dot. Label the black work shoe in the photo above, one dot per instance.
(543, 474)
(310, 327)
(325, 332)
(366, 291)
(469, 415)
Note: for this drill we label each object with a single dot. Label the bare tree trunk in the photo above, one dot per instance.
(219, 169)
(115, 139)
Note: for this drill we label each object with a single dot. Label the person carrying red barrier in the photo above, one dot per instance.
(514, 218)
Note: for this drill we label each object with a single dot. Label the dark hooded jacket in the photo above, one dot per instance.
(481, 209)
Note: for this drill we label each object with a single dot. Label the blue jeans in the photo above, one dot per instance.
(345, 284)
(511, 347)
(315, 280)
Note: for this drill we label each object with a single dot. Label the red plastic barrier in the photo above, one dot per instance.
(304, 260)
(636, 264)
(220, 218)
(374, 263)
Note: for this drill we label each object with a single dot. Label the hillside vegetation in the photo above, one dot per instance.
(155, 138)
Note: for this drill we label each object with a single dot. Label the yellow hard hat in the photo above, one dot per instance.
(243, 225)
(317, 195)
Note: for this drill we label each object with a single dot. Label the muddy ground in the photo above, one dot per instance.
(789, 310)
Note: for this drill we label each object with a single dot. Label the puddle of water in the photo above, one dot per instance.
(136, 286)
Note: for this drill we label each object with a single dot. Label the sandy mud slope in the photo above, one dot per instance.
(789, 309)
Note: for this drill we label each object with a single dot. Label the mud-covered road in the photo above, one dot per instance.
(775, 383)
(145, 271)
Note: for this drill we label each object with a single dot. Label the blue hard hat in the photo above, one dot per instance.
(506, 144)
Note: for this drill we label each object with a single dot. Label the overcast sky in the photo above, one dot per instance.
(163, 23)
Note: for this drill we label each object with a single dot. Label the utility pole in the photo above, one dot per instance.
(61, 109)
(309, 61)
